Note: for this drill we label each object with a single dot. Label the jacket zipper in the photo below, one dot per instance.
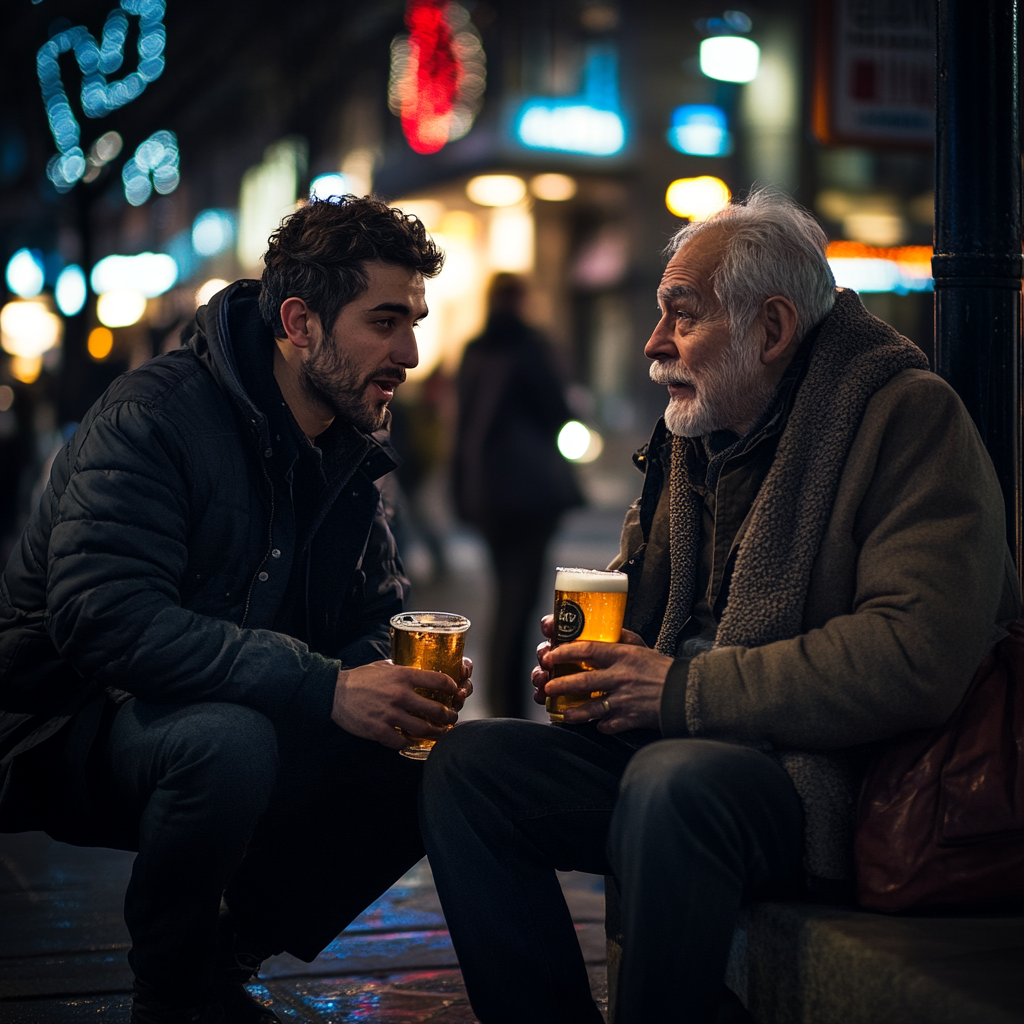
(270, 546)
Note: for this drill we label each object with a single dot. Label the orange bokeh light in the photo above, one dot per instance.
(100, 343)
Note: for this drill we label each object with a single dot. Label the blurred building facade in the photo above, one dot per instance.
(535, 137)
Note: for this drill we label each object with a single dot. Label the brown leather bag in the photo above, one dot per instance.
(940, 822)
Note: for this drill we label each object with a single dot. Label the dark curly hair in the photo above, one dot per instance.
(319, 254)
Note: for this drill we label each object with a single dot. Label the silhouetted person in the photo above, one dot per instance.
(510, 480)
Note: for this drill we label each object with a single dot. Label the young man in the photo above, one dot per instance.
(194, 626)
(817, 563)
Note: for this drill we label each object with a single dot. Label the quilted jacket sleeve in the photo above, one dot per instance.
(117, 554)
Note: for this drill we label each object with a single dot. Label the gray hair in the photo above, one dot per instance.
(773, 247)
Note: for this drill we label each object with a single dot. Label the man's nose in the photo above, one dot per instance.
(405, 351)
(661, 345)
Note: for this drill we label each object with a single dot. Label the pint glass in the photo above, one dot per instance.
(589, 605)
(433, 641)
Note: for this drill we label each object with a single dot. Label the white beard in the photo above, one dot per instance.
(734, 391)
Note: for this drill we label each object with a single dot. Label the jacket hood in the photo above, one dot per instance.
(235, 306)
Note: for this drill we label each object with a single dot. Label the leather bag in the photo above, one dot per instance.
(940, 821)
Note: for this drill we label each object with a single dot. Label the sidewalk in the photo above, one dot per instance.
(63, 947)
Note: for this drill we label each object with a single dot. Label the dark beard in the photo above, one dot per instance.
(329, 378)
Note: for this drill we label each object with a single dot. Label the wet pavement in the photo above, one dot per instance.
(63, 947)
(63, 942)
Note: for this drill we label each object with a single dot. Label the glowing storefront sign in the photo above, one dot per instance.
(590, 123)
(438, 73)
(867, 268)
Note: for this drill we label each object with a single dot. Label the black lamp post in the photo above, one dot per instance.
(977, 263)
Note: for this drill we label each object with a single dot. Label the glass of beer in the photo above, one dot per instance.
(589, 605)
(433, 641)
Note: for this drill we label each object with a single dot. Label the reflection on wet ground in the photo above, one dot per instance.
(63, 947)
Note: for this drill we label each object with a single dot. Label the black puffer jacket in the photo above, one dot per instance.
(158, 558)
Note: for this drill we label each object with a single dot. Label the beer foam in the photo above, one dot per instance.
(591, 581)
(435, 622)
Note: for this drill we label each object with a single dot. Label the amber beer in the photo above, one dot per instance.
(433, 641)
(589, 605)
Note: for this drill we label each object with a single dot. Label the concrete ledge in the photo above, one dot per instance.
(809, 963)
(804, 963)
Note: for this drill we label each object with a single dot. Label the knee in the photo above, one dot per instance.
(468, 749)
(684, 775)
(473, 760)
(225, 747)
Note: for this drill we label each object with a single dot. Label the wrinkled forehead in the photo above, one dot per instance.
(691, 270)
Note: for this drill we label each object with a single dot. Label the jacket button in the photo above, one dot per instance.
(269, 453)
(263, 577)
(276, 553)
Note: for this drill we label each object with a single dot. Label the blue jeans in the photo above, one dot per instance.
(691, 829)
(300, 828)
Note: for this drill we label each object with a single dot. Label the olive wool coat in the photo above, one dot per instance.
(160, 556)
(870, 578)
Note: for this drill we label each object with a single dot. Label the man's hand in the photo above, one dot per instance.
(465, 690)
(631, 675)
(540, 675)
(376, 700)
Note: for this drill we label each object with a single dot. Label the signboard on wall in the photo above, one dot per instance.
(875, 73)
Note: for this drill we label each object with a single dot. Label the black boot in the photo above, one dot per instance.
(152, 1007)
(238, 963)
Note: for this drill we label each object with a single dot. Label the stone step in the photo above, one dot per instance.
(798, 963)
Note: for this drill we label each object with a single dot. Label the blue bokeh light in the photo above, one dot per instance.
(26, 273)
(213, 231)
(157, 157)
(700, 129)
(70, 290)
(96, 61)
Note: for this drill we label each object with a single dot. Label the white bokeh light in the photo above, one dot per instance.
(70, 291)
(730, 58)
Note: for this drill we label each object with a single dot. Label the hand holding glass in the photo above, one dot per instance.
(433, 641)
(589, 605)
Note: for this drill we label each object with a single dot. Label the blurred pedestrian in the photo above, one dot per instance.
(509, 478)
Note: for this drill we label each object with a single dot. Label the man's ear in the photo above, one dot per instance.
(779, 317)
(300, 322)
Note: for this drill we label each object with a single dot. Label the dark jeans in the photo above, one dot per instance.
(691, 829)
(517, 546)
(300, 829)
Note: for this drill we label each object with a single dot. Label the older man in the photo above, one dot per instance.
(817, 563)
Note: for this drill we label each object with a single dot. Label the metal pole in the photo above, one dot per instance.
(977, 264)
